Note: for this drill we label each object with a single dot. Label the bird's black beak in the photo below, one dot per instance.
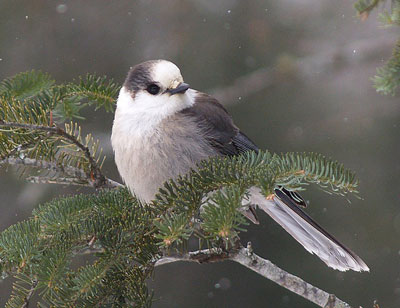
(181, 88)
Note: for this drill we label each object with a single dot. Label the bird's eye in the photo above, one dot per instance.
(153, 89)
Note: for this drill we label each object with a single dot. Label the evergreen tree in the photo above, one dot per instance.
(387, 78)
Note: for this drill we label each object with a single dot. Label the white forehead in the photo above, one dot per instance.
(166, 73)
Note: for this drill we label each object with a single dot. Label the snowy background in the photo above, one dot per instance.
(314, 60)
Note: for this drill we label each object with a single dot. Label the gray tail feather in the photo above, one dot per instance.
(307, 232)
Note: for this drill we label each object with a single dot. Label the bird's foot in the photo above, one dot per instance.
(270, 197)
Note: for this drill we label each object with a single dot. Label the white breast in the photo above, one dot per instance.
(152, 145)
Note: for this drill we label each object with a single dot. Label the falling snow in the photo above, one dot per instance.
(223, 284)
(61, 8)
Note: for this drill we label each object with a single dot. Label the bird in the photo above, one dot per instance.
(163, 128)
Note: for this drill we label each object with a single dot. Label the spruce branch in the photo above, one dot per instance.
(263, 267)
(95, 177)
(364, 7)
(23, 289)
(26, 85)
(64, 100)
(206, 203)
(200, 256)
(86, 91)
(30, 294)
(60, 230)
(387, 78)
(69, 181)
(29, 106)
(75, 176)
(42, 164)
(124, 235)
(121, 231)
(101, 91)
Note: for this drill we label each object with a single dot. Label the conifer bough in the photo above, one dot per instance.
(127, 239)
(387, 78)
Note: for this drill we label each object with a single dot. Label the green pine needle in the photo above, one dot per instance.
(95, 90)
(365, 6)
(221, 216)
(388, 77)
(26, 85)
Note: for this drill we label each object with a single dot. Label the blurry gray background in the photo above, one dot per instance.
(313, 93)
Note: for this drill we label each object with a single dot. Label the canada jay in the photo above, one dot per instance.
(163, 128)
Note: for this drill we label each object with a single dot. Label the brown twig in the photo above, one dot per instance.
(99, 180)
(200, 256)
(263, 267)
(75, 176)
(70, 181)
(30, 293)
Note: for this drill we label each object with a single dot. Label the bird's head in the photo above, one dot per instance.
(154, 87)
